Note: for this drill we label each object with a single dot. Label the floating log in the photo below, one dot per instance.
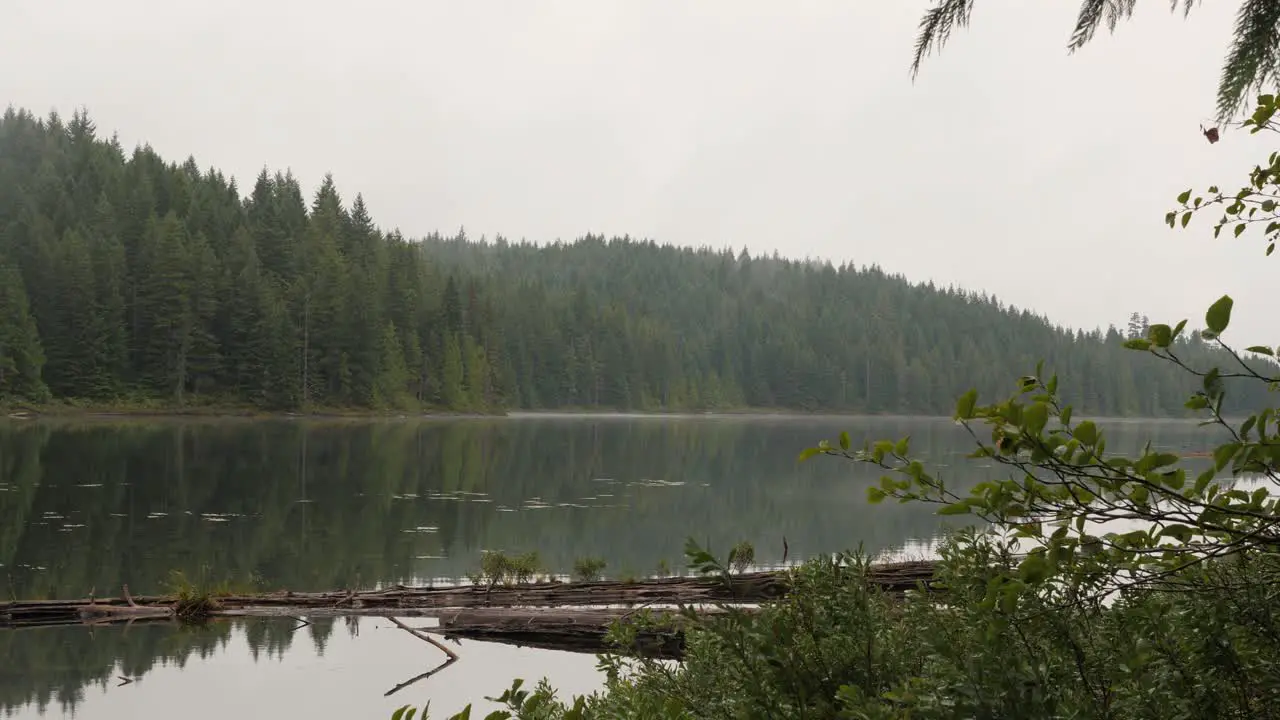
(404, 601)
(567, 630)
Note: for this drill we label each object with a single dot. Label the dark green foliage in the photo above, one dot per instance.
(588, 569)
(1252, 62)
(838, 647)
(157, 282)
(634, 325)
(21, 356)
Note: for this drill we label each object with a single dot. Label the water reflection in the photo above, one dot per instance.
(320, 506)
(258, 668)
(313, 505)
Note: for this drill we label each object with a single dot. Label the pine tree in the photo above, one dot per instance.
(167, 316)
(477, 386)
(21, 356)
(393, 375)
(452, 392)
(156, 278)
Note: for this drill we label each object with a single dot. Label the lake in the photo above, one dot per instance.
(89, 505)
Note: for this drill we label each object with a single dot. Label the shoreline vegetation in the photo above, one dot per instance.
(126, 277)
(148, 410)
(60, 410)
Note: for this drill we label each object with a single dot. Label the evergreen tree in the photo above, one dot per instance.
(452, 392)
(156, 278)
(21, 356)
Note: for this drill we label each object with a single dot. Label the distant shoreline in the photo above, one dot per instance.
(29, 411)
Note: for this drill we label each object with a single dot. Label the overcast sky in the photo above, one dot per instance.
(1008, 166)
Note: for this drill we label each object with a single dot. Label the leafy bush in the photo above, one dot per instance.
(496, 567)
(1041, 613)
(588, 569)
(837, 646)
(741, 556)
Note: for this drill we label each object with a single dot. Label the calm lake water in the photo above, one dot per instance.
(87, 506)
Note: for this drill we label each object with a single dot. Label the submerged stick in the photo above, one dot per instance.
(419, 678)
(427, 638)
(453, 657)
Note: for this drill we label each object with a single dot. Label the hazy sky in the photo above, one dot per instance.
(1008, 166)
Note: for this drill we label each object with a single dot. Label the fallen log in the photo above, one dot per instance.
(402, 601)
(567, 630)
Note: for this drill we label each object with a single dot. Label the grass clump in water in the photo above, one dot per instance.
(497, 567)
(194, 602)
(588, 569)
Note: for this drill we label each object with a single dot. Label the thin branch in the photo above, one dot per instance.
(419, 678)
(425, 638)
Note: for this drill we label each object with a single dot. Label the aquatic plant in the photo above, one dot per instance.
(588, 569)
(741, 556)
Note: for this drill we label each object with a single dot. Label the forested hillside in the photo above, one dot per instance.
(124, 278)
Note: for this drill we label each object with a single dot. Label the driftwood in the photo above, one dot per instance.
(453, 658)
(401, 601)
(568, 630)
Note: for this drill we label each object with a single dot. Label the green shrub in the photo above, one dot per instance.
(588, 569)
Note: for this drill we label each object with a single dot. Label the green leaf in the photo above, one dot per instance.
(875, 495)
(1184, 197)
(1161, 335)
(1261, 350)
(1186, 218)
(1177, 329)
(399, 713)
(807, 453)
(964, 406)
(1087, 432)
(1219, 314)
(1138, 344)
(1247, 425)
(1065, 415)
(1035, 417)
(1259, 496)
(902, 447)
(1182, 533)
(1223, 454)
(1239, 229)
(958, 508)
(844, 440)
(1034, 568)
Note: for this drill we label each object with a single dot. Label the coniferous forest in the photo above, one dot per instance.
(127, 279)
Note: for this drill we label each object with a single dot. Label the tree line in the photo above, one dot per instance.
(128, 279)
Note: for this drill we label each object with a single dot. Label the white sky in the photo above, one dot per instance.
(1008, 166)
